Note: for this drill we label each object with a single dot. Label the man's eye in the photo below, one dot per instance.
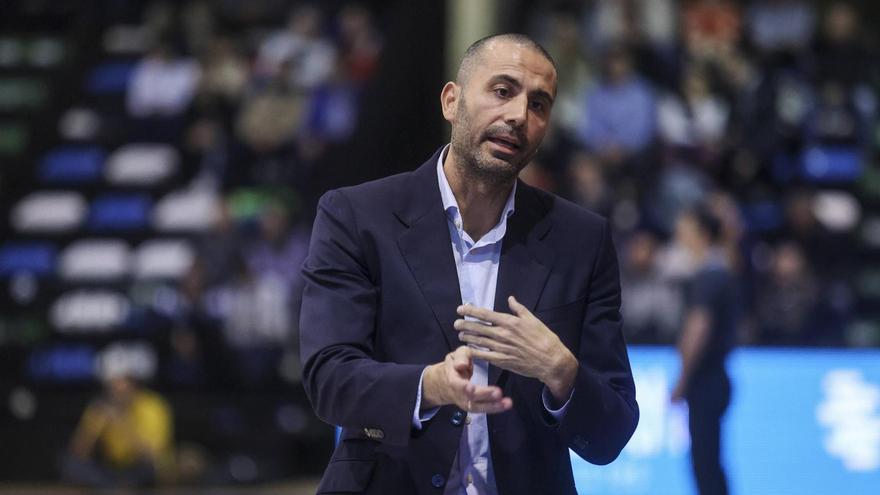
(502, 92)
(538, 105)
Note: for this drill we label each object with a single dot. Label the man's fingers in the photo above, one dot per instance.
(493, 357)
(461, 359)
(517, 308)
(492, 407)
(485, 393)
(483, 314)
(474, 327)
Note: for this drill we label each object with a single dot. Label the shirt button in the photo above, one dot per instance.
(437, 480)
(457, 418)
(470, 479)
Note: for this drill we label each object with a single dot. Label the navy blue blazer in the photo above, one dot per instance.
(380, 299)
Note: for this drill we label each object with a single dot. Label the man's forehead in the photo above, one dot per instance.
(515, 59)
(498, 53)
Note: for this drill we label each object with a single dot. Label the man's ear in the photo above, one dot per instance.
(449, 100)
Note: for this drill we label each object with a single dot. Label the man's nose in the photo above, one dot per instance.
(517, 111)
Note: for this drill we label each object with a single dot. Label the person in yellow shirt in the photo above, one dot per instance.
(125, 437)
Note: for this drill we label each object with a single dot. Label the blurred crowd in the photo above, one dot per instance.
(252, 110)
(763, 111)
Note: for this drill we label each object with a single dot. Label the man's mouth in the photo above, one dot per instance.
(507, 143)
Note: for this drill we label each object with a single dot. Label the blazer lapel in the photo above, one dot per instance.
(525, 258)
(426, 247)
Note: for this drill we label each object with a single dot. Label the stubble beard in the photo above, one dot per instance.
(475, 164)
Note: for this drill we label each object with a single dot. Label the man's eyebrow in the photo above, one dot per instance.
(540, 93)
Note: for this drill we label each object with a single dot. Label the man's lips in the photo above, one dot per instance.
(505, 142)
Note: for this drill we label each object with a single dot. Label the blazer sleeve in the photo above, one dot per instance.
(345, 384)
(602, 413)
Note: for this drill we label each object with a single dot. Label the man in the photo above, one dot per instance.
(707, 337)
(391, 263)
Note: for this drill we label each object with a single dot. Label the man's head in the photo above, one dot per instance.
(698, 229)
(499, 105)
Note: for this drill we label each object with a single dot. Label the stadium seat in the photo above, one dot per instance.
(23, 93)
(12, 51)
(62, 363)
(831, 164)
(46, 52)
(762, 216)
(95, 259)
(89, 311)
(134, 358)
(163, 259)
(49, 212)
(79, 124)
(192, 210)
(837, 211)
(13, 138)
(141, 164)
(127, 39)
(109, 78)
(119, 212)
(72, 165)
(37, 258)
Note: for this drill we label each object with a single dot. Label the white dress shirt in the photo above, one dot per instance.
(477, 265)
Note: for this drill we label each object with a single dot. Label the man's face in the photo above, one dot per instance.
(501, 112)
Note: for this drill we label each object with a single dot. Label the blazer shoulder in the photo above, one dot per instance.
(374, 194)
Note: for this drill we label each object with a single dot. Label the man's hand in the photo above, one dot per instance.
(449, 382)
(520, 343)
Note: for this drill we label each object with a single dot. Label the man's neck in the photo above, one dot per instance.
(480, 201)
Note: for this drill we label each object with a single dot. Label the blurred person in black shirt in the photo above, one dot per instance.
(708, 335)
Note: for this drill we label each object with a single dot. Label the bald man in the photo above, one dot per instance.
(462, 327)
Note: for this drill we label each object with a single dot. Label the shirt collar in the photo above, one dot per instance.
(450, 205)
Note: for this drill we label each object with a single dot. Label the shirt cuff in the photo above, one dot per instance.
(559, 413)
(419, 418)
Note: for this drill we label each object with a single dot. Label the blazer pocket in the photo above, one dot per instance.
(347, 476)
(565, 312)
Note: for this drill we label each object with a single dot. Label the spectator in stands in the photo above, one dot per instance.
(709, 332)
(564, 41)
(587, 184)
(330, 115)
(299, 52)
(781, 25)
(269, 120)
(255, 321)
(619, 113)
(841, 53)
(652, 303)
(824, 250)
(219, 247)
(360, 43)
(786, 299)
(711, 28)
(694, 120)
(647, 28)
(162, 84)
(125, 436)
(632, 22)
(225, 75)
(281, 247)
(835, 121)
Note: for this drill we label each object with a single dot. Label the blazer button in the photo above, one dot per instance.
(457, 418)
(437, 481)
